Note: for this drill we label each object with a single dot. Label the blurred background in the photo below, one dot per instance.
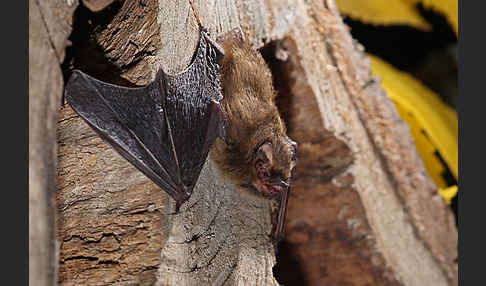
(412, 45)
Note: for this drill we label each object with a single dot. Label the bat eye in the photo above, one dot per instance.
(262, 169)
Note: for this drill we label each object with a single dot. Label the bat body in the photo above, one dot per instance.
(257, 153)
(166, 128)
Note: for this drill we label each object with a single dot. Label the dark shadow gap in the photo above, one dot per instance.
(427, 55)
(84, 54)
(280, 82)
(403, 46)
(288, 270)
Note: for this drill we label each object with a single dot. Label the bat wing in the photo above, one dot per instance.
(166, 128)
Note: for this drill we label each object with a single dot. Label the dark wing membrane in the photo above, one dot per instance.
(130, 121)
(166, 128)
(193, 113)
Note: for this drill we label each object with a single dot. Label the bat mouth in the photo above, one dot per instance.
(271, 188)
(274, 189)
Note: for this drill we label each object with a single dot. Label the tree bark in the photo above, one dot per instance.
(362, 209)
(49, 27)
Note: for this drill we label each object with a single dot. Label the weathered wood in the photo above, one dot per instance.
(396, 230)
(362, 209)
(49, 27)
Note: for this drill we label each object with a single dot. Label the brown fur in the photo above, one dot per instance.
(253, 118)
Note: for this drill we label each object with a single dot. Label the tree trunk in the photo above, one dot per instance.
(362, 209)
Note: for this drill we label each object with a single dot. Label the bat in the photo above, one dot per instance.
(257, 153)
(166, 128)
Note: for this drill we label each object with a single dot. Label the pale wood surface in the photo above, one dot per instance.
(49, 27)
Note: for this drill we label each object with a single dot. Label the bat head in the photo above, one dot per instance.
(272, 165)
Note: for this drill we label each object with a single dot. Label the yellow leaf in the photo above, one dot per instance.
(398, 12)
(383, 12)
(448, 8)
(449, 193)
(425, 148)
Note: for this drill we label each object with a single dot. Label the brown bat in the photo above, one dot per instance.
(257, 153)
(167, 128)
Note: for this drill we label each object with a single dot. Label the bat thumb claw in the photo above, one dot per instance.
(177, 207)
